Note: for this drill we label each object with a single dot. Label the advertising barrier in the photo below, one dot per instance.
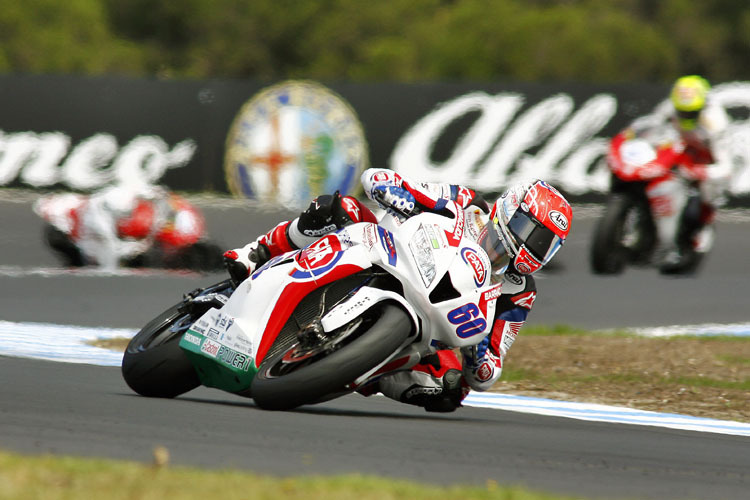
(81, 133)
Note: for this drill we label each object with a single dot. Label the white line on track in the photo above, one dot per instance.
(21, 272)
(706, 330)
(70, 344)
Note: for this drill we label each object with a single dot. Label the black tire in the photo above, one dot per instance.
(66, 250)
(625, 234)
(154, 365)
(387, 330)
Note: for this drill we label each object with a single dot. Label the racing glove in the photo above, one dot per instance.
(426, 196)
(395, 198)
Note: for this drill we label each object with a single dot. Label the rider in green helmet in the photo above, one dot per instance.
(691, 124)
(689, 95)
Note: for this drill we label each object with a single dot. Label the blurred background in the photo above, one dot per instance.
(198, 95)
(399, 40)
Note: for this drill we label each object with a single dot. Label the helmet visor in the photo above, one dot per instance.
(538, 239)
(490, 240)
(687, 120)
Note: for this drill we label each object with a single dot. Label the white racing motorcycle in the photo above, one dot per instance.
(317, 323)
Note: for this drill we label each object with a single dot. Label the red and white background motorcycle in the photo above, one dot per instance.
(317, 323)
(654, 207)
(164, 232)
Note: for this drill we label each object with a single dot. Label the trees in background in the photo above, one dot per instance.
(403, 40)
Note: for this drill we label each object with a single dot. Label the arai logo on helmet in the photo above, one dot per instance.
(293, 141)
(559, 220)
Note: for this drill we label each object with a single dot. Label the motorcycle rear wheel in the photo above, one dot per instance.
(280, 385)
(624, 235)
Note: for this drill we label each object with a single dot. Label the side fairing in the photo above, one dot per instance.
(227, 345)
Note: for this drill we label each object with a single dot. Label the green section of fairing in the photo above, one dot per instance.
(218, 365)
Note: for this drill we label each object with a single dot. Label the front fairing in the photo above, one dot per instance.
(447, 279)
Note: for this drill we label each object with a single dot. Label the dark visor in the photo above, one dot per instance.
(538, 239)
(688, 115)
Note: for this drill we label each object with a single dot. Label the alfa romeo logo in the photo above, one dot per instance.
(292, 142)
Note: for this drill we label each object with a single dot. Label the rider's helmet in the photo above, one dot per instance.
(688, 97)
(528, 225)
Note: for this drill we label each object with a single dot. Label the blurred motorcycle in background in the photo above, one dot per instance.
(123, 226)
(652, 209)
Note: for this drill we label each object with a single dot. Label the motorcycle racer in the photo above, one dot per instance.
(687, 139)
(118, 224)
(521, 233)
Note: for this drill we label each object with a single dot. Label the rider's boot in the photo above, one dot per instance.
(694, 239)
(242, 262)
(434, 387)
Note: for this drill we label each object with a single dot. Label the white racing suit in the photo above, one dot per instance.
(440, 381)
(118, 223)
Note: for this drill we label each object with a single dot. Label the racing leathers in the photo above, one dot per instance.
(115, 224)
(440, 381)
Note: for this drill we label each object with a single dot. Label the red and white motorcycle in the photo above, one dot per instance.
(645, 215)
(317, 323)
(170, 233)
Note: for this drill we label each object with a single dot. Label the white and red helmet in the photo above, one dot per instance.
(528, 225)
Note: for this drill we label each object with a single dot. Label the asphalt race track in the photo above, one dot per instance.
(89, 411)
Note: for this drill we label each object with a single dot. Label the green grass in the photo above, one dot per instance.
(734, 360)
(572, 331)
(554, 330)
(554, 380)
(52, 478)
(560, 330)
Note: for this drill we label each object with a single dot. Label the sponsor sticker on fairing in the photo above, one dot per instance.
(454, 238)
(193, 339)
(211, 348)
(318, 258)
(386, 240)
(368, 236)
(421, 247)
(233, 358)
(479, 268)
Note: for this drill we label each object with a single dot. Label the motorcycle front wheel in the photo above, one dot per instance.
(306, 373)
(624, 235)
(153, 364)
